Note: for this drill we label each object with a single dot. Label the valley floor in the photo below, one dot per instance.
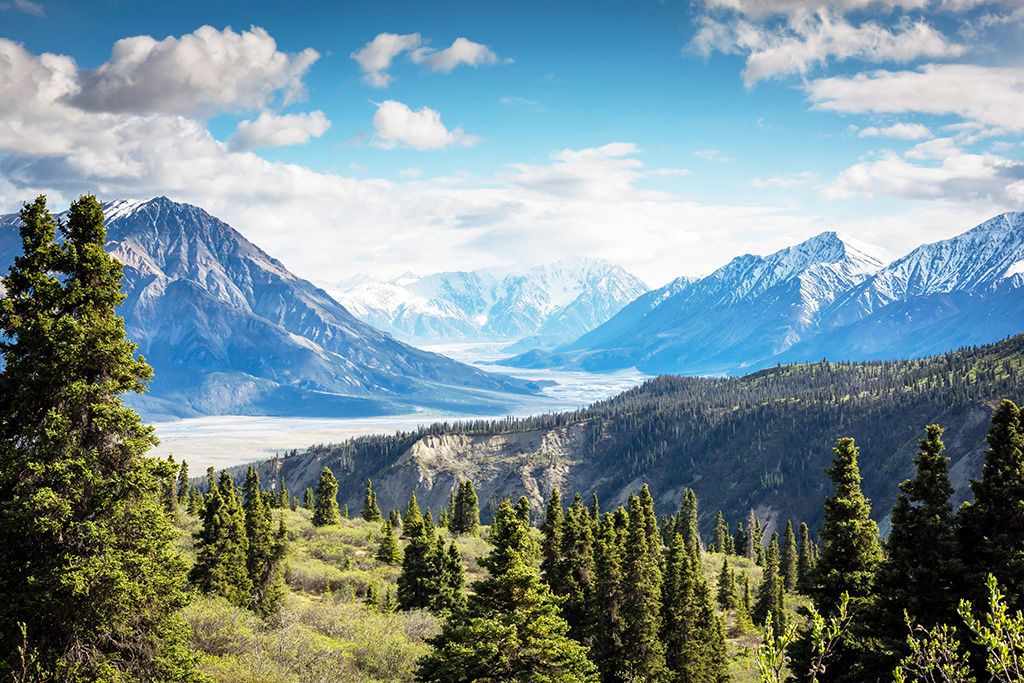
(225, 441)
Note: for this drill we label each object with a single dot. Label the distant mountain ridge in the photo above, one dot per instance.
(229, 330)
(542, 305)
(827, 297)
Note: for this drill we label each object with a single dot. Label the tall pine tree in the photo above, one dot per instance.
(371, 512)
(88, 564)
(642, 652)
(325, 505)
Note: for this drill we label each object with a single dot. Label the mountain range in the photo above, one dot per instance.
(828, 297)
(763, 440)
(229, 330)
(535, 307)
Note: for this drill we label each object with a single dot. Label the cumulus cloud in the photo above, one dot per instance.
(376, 56)
(900, 131)
(273, 130)
(767, 8)
(934, 170)
(988, 95)
(712, 155)
(202, 71)
(807, 40)
(26, 6)
(462, 51)
(396, 125)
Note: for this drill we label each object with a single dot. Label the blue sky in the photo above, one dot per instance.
(664, 136)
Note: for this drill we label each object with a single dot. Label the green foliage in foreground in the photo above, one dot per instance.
(89, 579)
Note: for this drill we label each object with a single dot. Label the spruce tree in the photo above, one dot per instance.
(688, 519)
(726, 586)
(991, 533)
(551, 541)
(677, 592)
(325, 505)
(467, 510)
(850, 551)
(917, 575)
(576, 571)
(770, 592)
(721, 533)
(388, 551)
(753, 536)
(643, 653)
(222, 547)
(804, 564)
(308, 501)
(705, 656)
(740, 540)
(412, 520)
(419, 579)
(265, 549)
(654, 542)
(184, 485)
(449, 578)
(511, 629)
(789, 562)
(371, 513)
(606, 608)
(88, 564)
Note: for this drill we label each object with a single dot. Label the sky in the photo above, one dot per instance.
(666, 137)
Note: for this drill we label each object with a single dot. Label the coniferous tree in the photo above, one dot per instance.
(449, 578)
(576, 571)
(388, 551)
(719, 542)
(412, 520)
(726, 586)
(788, 561)
(371, 513)
(917, 574)
(991, 533)
(308, 501)
(705, 657)
(418, 582)
(511, 628)
(770, 592)
(688, 519)
(325, 505)
(753, 536)
(850, 551)
(849, 557)
(222, 547)
(184, 485)
(524, 510)
(677, 592)
(428, 523)
(168, 487)
(740, 540)
(654, 542)
(87, 564)
(442, 518)
(265, 549)
(804, 564)
(551, 541)
(606, 608)
(467, 510)
(643, 652)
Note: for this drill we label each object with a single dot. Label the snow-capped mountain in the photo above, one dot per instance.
(229, 330)
(751, 309)
(829, 297)
(539, 306)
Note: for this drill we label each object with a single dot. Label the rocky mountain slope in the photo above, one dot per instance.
(540, 306)
(229, 330)
(763, 440)
(828, 297)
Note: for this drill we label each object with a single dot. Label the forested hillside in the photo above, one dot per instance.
(760, 441)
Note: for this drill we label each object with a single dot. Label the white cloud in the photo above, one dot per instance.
(26, 6)
(462, 51)
(794, 179)
(761, 9)
(900, 131)
(993, 96)
(273, 130)
(202, 71)
(933, 170)
(812, 39)
(376, 56)
(397, 125)
(711, 155)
